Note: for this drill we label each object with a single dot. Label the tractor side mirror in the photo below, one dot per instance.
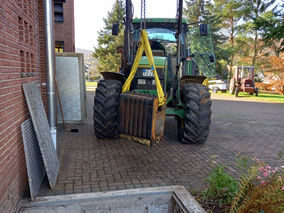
(211, 58)
(203, 29)
(115, 29)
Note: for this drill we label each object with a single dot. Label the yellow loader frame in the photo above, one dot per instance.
(144, 45)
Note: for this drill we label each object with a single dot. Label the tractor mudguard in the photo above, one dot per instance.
(141, 118)
(192, 79)
(113, 76)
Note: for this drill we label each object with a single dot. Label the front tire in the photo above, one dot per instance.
(195, 126)
(106, 103)
(237, 92)
(256, 91)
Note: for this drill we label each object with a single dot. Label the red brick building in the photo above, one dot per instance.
(64, 25)
(22, 59)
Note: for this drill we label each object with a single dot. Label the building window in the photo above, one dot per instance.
(59, 46)
(58, 12)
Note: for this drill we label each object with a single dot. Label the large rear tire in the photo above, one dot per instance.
(106, 103)
(195, 126)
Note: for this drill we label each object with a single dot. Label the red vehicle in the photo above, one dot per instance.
(243, 80)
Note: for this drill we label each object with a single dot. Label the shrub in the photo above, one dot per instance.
(222, 186)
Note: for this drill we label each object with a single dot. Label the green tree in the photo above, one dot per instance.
(193, 10)
(254, 10)
(105, 52)
(243, 49)
(222, 52)
(231, 12)
(271, 28)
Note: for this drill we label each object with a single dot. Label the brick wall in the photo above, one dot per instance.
(22, 59)
(65, 31)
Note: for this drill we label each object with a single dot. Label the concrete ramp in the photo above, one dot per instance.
(171, 199)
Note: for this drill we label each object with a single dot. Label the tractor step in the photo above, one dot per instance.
(141, 118)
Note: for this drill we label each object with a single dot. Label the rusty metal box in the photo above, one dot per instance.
(141, 118)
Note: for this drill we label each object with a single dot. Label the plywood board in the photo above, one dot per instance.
(42, 130)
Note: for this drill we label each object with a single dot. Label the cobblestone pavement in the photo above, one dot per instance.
(89, 164)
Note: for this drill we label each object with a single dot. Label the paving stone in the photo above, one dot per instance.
(78, 190)
(95, 189)
(102, 184)
(60, 187)
(78, 182)
(112, 188)
(69, 191)
(104, 189)
(121, 187)
(59, 192)
(87, 190)
(137, 185)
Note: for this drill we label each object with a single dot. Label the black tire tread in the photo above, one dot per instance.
(106, 102)
(197, 113)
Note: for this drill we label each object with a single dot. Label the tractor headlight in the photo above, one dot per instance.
(142, 81)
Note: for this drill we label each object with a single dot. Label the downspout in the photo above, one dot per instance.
(48, 19)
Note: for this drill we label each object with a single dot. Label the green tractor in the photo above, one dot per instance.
(164, 66)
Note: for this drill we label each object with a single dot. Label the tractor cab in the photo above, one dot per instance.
(244, 73)
(196, 52)
(163, 42)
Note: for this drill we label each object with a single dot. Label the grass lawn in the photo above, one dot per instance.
(91, 84)
(261, 96)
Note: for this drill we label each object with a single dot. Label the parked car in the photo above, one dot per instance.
(218, 85)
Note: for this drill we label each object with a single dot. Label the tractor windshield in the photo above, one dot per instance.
(161, 34)
(246, 73)
(162, 41)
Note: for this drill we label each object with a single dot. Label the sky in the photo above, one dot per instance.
(89, 16)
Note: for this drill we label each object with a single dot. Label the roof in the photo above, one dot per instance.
(159, 20)
(170, 23)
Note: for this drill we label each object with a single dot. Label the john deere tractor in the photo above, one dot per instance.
(163, 68)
